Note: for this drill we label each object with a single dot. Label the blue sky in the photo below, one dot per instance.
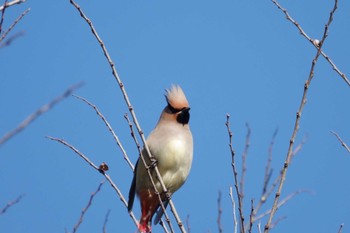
(238, 57)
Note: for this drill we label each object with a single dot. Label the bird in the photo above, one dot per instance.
(171, 145)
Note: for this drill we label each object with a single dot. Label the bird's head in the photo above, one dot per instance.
(178, 107)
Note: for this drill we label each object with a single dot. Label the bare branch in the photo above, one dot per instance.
(233, 210)
(235, 175)
(315, 42)
(103, 118)
(132, 112)
(10, 204)
(244, 161)
(218, 221)
(341, 228)
(121, 197)
(76, 226)
(9, 41)
(268, 173)
(296, 126)
(188, 224)
(251, 216)
(39, 112)
(105, 222)
(8, 4)
(341, 141)
(2, 16)
(281, 203)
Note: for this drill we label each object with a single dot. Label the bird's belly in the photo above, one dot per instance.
(175, 164)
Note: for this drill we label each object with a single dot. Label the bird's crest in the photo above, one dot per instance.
(176, 97)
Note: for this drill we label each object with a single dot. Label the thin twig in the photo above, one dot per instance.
(268, 174)
(315, 43)
(3, 36)
(235, 224)
(244, 161)
(235, 175)
(259, 227)
(76, 226)
(341, 141)
(2, 16)
(6, 5)
(296, 126)
(39, 112)
(132, 112)
(9, 40)
(188, 224)
(218, 221)
(103, 118)
(341, 228)
(105, 222)
(281, 203)
(251, 216)
(121, 197)
(11, 203)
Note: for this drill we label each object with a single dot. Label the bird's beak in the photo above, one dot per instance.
(186, 109)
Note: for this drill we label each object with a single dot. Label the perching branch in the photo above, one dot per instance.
(76, 226)
(297, 121)
(39, 112)
(133, 115)
(341, 141)
(315, 42)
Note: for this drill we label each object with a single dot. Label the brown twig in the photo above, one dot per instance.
(3, 36)
(105, 222)
(233, 210)
(235, 175)
(133, 115)
(76, 226)
(39, 112)
(315, 43)
(103, 118)
(121, 197)
(218, 220)
(341, 141)
(11, 203)
(8, 4)
(244, 161)
(297, 121)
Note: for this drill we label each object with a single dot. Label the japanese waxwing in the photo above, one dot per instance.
(171, 144)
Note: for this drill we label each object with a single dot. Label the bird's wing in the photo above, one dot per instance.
(160, 212)
(132, 189)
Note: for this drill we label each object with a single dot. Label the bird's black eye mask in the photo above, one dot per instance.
(174, 110)
(183, 116)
